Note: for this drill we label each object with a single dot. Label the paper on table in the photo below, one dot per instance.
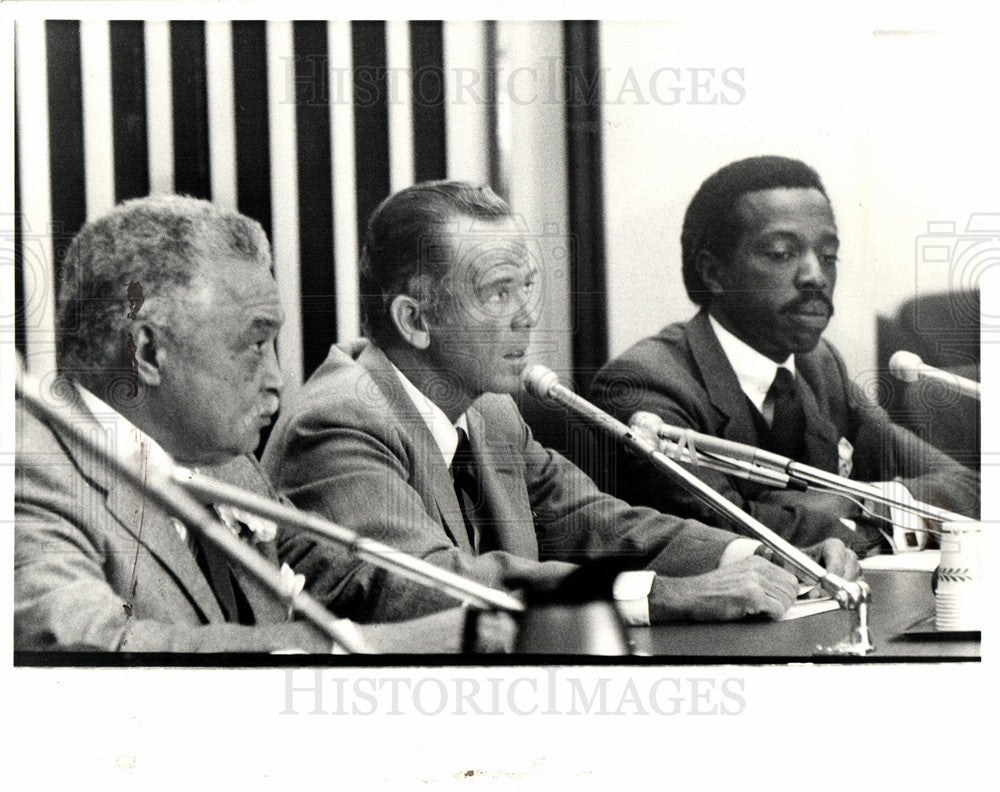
(923, 561)
(809, 607)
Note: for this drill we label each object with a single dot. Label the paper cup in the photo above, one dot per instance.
(959, 590)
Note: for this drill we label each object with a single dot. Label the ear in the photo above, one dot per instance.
(709, 269)
(150, 354)
(410, 322)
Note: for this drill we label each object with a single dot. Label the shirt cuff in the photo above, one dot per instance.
(737, 550)
(631, 593)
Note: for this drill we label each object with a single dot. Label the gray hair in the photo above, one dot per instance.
(147, 246)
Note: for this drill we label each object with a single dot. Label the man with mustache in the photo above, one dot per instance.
(167, 315)
(411, 437)
(759, 248)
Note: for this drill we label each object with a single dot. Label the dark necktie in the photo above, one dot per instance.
(215, 565)
(463, 477)
(786, 435)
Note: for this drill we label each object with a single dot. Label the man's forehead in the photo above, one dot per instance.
(503, 225)
(237, 283)
(784, 207)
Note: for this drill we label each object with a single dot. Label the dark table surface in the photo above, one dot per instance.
(900, 599)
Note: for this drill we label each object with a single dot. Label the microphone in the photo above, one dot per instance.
(155, 483)
(684, 436)
(797, 471)
(908, 367)
(543, 383)
(383, 556)
(685, 451)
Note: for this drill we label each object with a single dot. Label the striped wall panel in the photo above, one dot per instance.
(288, 122)
(305, 126)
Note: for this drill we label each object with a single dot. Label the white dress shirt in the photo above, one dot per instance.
(631, 589)
(755, 373)
(136, 448)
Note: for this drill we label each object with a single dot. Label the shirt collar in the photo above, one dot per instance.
(444, 432)
(131, 443)
(754, 371)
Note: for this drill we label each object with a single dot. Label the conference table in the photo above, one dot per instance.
(900, 600)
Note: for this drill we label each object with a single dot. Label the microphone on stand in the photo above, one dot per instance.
(183, 493)
(542, 383)
(808, 475)
(157, 486)
(649, 424)
(908, 367)
(210, 490)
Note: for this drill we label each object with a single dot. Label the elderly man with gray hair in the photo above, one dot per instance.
(167, 315)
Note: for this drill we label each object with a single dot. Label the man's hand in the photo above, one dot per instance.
(439, 633)
(836, 558)
(748, 587)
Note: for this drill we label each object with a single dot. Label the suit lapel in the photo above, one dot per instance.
(246, 473)
(147, 523)
(510, 527)
(822, 436)
(726, 395)
(442, 490)
(721, 384)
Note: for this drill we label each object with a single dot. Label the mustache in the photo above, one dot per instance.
(807, 299)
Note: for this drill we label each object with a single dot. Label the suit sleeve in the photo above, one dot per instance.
(358, 477)
(930, 475)
(63, 599)
(574, 519)
(624, 388)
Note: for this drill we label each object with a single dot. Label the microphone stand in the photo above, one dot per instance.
(805, 474)
(377, 554)
(852, 596)
(163, 492)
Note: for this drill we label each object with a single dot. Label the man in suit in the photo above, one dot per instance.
(167, 315)
(411, 437)
(759, 248)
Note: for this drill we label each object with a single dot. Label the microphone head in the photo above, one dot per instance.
(538, 380)
(905, 366)
(646, 422)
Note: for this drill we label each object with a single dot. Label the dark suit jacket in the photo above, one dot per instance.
(682, 375)
(97, 567)
(353, 448)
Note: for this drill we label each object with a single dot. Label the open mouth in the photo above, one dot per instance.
(516, 355)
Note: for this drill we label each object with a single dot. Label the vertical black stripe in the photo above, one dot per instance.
(371, 118)
(69, 193)
(498, 179)
(192, 174)
(588, 291)
(312, 115)
(253, 144)
(19, 324)
(427, 65)
(128, 96)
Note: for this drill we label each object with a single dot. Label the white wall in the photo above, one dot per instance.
(900, 127)
(533, 153)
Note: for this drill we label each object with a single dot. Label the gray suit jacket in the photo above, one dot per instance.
(353, 448)
(98, 568)
(682, 375)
